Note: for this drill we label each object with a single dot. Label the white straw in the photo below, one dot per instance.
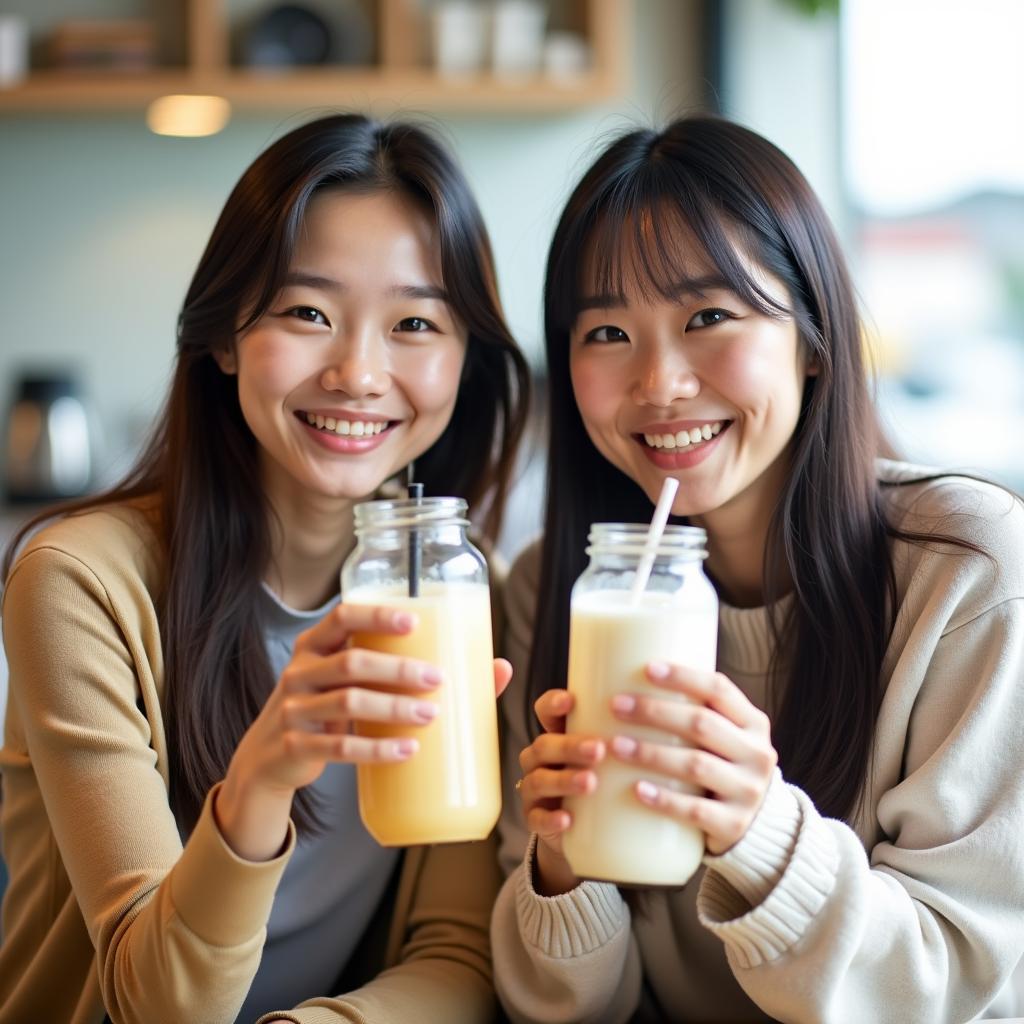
(654, 532)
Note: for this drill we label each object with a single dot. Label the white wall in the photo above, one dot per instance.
(781, 77)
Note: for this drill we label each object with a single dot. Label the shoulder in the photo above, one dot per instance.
(967, 534)
(115, 544)
(933, 502)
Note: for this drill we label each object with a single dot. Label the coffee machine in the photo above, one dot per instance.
(48, 453)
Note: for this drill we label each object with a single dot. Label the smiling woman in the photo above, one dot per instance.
(186, 696)
(846, 762)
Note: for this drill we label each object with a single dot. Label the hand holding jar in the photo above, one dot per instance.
(633, 805)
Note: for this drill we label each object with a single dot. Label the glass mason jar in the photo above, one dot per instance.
(412, 554)
(612, 636)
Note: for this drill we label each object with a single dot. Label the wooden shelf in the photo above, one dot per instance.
(396, 82)
(59, 91)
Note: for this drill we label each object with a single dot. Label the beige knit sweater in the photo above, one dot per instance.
(104, 904)
(914, 912)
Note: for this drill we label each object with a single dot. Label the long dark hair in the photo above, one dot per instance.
(202, 460)
(737, 194)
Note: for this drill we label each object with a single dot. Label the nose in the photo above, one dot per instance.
(359, 368)
(663, 376)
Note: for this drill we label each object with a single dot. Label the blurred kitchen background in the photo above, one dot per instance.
(906, 116)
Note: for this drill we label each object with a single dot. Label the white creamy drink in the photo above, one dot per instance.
(613, 835)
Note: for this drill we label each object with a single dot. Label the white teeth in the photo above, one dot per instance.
(684, 438)
(346, 428)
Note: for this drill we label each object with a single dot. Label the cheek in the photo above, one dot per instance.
(433, 381)
(747, 375)
(595, 391)
(760, 375)
(268, 368)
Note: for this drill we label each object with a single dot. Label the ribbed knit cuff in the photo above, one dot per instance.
(572, 924)
(755, 864)
(224, 899)
(762, 932)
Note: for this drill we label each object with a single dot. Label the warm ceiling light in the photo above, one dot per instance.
(188, 115)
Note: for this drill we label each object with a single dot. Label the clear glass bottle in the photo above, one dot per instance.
(414, 554)
(614, 836)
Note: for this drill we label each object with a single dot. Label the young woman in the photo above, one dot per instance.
(179, 812)
(701, 324)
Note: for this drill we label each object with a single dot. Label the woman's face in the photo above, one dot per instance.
(354, 369)
(705, 388)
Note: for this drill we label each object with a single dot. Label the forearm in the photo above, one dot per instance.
(193, 948)
(427, 991)
(839, 941)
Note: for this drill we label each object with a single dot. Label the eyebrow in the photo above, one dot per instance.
(698, 286)
(329, 284)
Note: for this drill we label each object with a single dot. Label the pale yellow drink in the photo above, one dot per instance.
(449, 790)
(613, 836)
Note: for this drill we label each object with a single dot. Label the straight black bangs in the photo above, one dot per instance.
(652, 233)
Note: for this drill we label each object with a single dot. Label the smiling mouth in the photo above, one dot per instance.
(684, 439)
(344, 427)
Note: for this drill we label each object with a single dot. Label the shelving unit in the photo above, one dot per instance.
(394, 80)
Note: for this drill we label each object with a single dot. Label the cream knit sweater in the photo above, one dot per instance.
(913, 912)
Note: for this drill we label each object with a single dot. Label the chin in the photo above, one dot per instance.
(347, 490)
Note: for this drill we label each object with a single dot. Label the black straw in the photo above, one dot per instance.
(414, 491)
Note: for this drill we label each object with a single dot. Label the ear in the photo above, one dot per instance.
(226, 360)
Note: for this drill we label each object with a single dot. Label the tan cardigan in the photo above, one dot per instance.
(104, 906)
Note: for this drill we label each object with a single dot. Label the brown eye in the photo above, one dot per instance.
(708, 318)
(606, 333)
(310, 314)
(414, 325)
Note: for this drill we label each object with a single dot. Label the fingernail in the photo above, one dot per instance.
(425, 712)
(624, 746)
(647, 792)
(623, 702)
(402, 620)
(406, 748)
(657, 670)
(591, 748)
(431, 675)
(581, 781)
